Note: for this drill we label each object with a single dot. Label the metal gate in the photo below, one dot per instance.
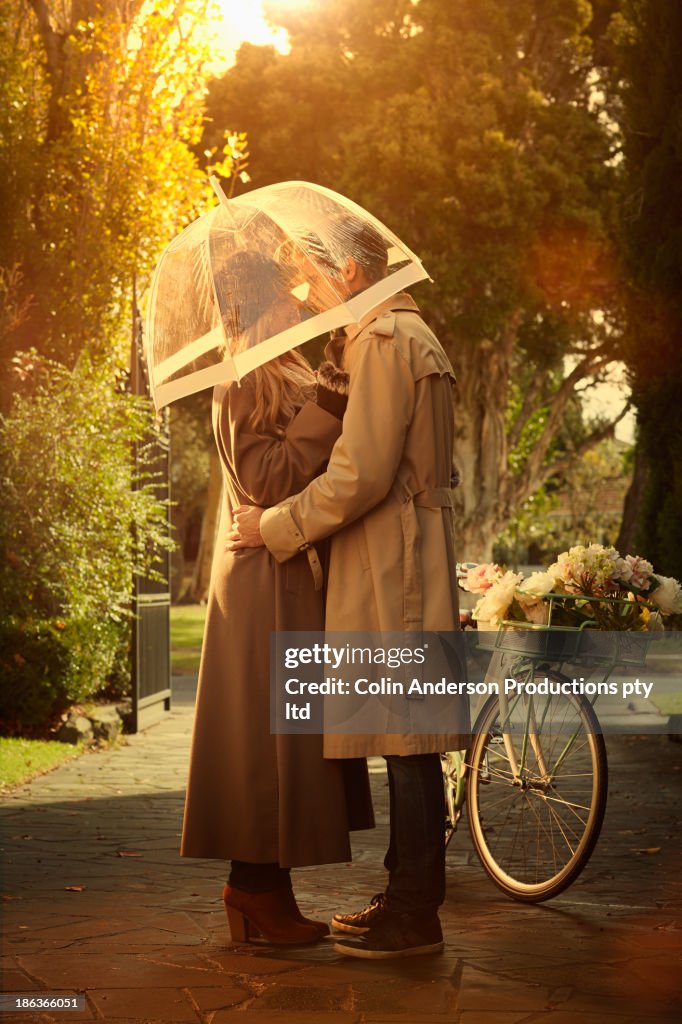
(151, 661)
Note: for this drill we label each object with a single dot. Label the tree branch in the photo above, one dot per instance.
(528, 407)
(525, 484)
(561, 465)
(52, 41)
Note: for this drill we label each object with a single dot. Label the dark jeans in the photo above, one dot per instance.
(416, 854)
(258, 877)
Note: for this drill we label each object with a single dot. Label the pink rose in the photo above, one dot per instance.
(481, 578)
(636, 572)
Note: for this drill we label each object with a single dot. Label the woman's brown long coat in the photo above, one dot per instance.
(254, 796)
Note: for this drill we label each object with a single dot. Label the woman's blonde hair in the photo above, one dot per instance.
(247, 284)
(281, 385)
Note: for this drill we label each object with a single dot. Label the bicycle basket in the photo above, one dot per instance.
(568, 643)
(533, 641)
(621, 648)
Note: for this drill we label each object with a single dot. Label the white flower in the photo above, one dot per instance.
(588, 570)
(494, 605)
(531, 596)
(538, 583)
(667, 595)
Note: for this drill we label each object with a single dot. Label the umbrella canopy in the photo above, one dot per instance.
(260, 274)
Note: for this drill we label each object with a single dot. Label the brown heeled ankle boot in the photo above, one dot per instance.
(321, 926)
(266, 914)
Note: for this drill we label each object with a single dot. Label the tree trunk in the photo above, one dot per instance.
(632, 506)
(481, 448)
(474, 542)
(209, 526)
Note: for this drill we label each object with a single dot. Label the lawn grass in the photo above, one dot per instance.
(666, 660)
(668, 703)
(22, 759)
(187, 631)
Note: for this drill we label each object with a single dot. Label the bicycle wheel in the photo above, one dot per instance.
(535, 832)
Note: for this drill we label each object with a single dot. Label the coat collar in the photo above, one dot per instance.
(394, 304)
(401, 301)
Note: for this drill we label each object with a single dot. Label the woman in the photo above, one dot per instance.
(265, 802)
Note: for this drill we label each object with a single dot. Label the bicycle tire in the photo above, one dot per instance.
(497, 858)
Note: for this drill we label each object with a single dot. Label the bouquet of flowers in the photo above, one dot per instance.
(592, 584)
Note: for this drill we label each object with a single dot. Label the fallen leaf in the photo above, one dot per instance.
(74, 888)
(127, 853)
(650, 849)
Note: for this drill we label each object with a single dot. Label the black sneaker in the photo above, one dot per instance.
(396, 935)
(362, 920)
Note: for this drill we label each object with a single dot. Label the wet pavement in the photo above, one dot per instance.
(96, 900)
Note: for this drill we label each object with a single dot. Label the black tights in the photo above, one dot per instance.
(258, 877)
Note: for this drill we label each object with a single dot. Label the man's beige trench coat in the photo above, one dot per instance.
(386, 501)
(254, 796)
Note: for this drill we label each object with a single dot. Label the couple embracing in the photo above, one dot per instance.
(350, 469)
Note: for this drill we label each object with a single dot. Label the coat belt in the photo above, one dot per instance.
(311, 553)
(413, 581)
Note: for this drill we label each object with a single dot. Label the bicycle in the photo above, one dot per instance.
(535, 777)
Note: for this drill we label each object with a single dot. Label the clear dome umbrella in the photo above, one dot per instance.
(259, 274)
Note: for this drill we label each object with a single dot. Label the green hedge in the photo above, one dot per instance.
(46, 666)
(75, 527)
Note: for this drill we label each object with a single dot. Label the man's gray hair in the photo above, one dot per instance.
(365, 243)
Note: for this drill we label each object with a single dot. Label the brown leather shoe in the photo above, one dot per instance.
(268, 915)
(362, 920)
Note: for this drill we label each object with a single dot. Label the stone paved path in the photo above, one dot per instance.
(143, 932)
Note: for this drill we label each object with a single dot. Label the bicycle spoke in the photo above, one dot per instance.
(560, 823)
(512, 796)
(573, 775)
(501, 778)
(571, 824)
(567, 803)
(550, 837)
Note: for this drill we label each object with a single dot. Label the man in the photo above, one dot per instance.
(386, 502)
